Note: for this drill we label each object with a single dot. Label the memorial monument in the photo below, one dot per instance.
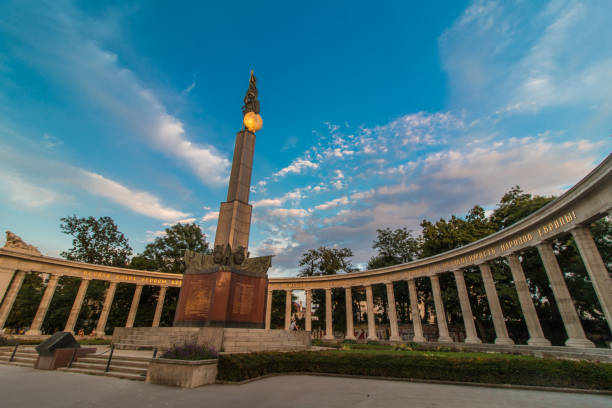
(228, 288)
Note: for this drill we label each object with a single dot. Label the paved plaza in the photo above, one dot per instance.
(26, 387)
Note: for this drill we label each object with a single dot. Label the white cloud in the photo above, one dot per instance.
(63, 44)
(151, 235)
(333, 203)
(183, 221)
(28, 195)
(296, 167)
(36, 170)
(289, 212)
(210, 216)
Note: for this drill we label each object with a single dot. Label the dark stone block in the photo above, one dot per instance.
(57, 341)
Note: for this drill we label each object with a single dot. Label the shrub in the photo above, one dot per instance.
(190, 352)
(349, 341)
(495, 369)
(373, 343)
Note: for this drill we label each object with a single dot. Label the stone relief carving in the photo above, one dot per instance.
(223, 258)
(15, 243)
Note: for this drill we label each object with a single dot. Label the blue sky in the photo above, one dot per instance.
(375, 115)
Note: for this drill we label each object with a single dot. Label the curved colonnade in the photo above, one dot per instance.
(586, 202)
(583, 204)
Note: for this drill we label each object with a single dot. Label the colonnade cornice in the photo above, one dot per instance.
(43, 264)
(586, 201)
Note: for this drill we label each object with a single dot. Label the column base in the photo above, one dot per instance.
(395, 339)
(538, 342)
(579, 343)
(419, 339)
(372, 338)
(350, 338)
(445, 339)
(328, 337)
(473, 340)
(33, 333)
(504, 341)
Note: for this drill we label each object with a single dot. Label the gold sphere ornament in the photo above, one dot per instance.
(252, 121)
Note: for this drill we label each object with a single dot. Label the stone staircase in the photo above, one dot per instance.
(25, 356)
(127, 367)
(138, 341)
(249, 340)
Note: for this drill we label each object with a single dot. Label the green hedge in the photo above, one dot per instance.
(494, 370)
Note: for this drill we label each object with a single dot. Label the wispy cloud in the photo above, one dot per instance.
(64, 44)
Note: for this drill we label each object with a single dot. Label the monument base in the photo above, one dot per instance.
(222, 297)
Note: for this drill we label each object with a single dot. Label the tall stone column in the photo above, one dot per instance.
(443, 336)
(288, 309)
(415, 313)
(269, 309)
(371, 319)
(308, 317)
(350, 330)
(43, 307)
(466, 310)
(392, 313)
(160, 306)
(134, 306)
(76, 305)
(536, 335)
(9, 298)
(596, 269)
(573, 327)
(501, 331)
(329, 329)
(108, 301)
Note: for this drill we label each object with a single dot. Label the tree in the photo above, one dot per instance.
(95, 241)
(166, 253)
(394, 247)
(326, 261)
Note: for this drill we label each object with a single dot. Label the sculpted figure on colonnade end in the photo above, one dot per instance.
(15, 243)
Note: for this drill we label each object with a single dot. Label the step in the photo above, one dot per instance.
(136, 377)
(113, 368)
(124, 363)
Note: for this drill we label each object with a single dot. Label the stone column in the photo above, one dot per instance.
(350, 330)
(596, 269)
(269, 309)
(371, 319)
(329, 329)
(108, 301)
(288, 309)
(501, 332)
(573, 327)
(308, 317)
(536, 335)
(415, 313)
(43, 307)
(9, 298)
(160, 306)
(466, 310)
(392, 313)
(76, 305)
(443, 336)
(134, 306)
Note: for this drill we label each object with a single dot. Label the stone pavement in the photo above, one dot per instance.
(25, 387)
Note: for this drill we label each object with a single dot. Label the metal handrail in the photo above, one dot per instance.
(14, 352)
(110, 357)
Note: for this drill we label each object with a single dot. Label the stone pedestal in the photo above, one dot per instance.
(223, 295)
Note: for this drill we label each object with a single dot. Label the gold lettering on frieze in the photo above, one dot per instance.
(557, 223)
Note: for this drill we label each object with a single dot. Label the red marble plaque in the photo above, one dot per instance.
(222, 298)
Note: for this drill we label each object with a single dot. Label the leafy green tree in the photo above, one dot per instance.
(95, 241)
(327, 261)
(165, 253)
